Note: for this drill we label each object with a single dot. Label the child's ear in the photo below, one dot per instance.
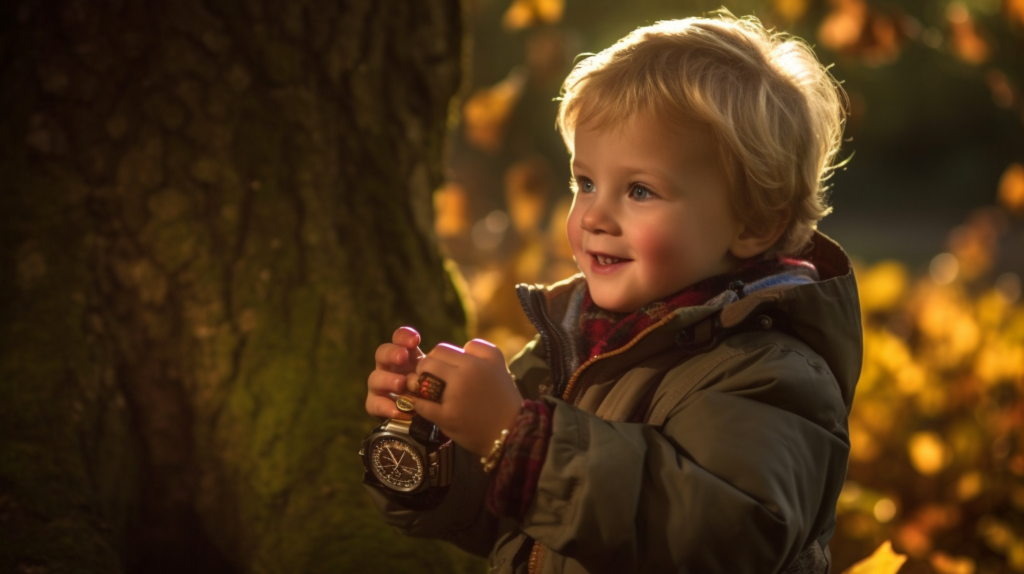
(751, 243)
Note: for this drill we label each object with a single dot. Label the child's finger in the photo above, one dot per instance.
(484, 350)
(384, 407)
(382, 382)
(448, 353)
(390, 355)
(406, 337)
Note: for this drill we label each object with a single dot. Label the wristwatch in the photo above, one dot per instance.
(408, 458)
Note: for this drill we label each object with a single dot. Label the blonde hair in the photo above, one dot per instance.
(776, 113)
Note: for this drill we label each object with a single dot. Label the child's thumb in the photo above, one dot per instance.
(426, 408)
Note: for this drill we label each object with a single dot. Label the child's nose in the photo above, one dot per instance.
(599, 218)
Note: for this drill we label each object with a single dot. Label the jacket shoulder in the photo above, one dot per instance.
(770, 367)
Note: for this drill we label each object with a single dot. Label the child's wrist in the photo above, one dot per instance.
(492, 458)
(517, 470)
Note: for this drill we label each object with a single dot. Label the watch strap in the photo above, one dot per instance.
(424, 431)
(441, 468)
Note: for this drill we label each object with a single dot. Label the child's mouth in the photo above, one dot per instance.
(606, 263)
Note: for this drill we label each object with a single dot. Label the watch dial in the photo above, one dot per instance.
(396, 463)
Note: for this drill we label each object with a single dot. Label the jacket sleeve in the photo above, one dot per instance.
(462, 517)
(744, 473)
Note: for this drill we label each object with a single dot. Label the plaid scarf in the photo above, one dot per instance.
(604, 331)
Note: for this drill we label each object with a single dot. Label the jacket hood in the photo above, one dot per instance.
(824, 314)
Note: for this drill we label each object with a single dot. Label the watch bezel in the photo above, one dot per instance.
(400, 430)
(410, 446)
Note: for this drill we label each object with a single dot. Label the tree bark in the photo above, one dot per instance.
(212, 213)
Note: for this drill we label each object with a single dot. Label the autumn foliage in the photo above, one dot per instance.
(936, 464)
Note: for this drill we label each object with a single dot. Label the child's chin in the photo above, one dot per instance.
(613, 304)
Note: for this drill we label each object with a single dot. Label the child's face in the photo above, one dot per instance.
(651, 214)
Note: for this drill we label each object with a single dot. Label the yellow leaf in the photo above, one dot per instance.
(932, 401)
(525, 13)
(854, 29)
(967, 42)
(893, 353)
(911, 378)
(529, 261)
(841, 29)
(556, 232)
(791, 10)
(1015, 557)
(884, 510)
(946, 564)
(1014, 10)
(882, 561)
(882, 286)
(863, 446)
(944, 268)
(969, 485)
(527, 185)
(450, 208)
(1011, 188)
(487, 111)
(928, 452)
(974, 244)
(999, 360)
(1000, 86)
(996, 534)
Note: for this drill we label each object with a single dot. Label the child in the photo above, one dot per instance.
(684, 405)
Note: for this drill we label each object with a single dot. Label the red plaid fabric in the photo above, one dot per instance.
(515, 480)
(605, 331)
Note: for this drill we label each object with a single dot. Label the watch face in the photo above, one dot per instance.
(396, 463)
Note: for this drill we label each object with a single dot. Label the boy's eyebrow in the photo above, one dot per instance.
(639, 171)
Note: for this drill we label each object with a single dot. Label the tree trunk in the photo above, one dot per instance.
(212, 212)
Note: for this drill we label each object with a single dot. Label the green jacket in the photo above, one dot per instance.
(736, 467)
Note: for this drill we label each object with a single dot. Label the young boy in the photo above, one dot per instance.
(684, 405)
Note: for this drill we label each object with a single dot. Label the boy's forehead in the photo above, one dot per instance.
(689, 141)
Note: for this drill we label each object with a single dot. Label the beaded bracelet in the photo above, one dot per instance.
(492, 458)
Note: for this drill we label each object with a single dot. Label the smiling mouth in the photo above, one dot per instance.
(607, 259)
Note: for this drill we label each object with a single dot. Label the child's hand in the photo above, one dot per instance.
(479, 400)
(395, 360)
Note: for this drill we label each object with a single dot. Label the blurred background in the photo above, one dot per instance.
(929, 207)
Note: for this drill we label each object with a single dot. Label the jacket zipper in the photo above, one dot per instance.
(536, 553)
(535, 312)
(532, 302)
(533, 566)
(632, 343)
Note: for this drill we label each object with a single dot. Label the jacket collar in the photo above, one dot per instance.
(824, 314)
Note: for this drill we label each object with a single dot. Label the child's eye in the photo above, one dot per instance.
(581, 184)
(640, 193)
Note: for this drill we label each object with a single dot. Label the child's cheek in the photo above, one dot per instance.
(661, 253)
(574, 234)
